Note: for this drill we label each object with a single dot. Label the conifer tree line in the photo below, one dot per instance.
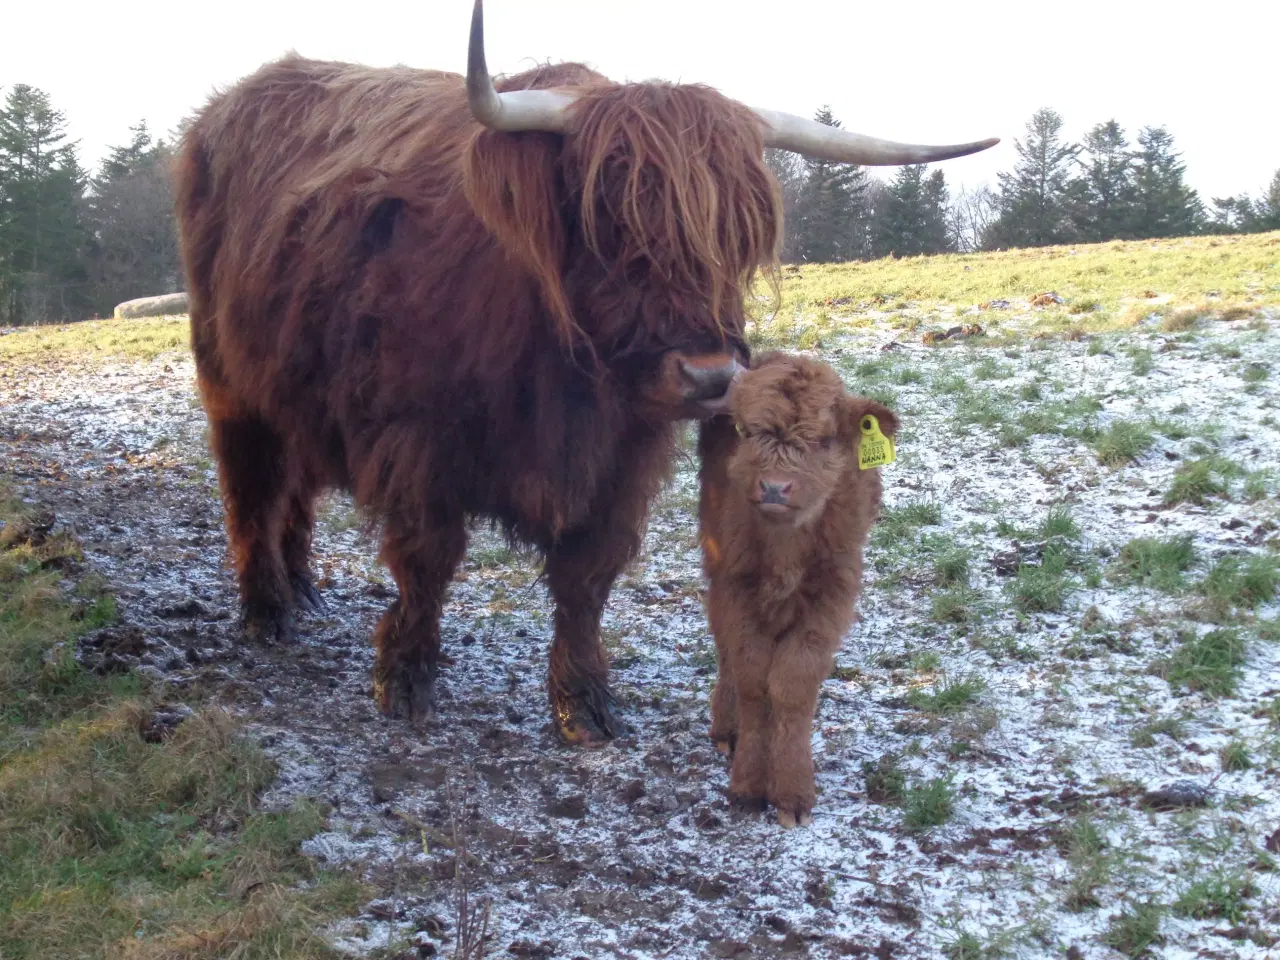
(1102, 188)
(74, 244)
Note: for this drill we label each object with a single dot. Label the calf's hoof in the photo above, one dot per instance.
(587, 719)
(265, 625)
(404, 693)
(305, 595)
(787, 819)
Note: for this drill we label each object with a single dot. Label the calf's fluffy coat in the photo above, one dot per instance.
(784, 513)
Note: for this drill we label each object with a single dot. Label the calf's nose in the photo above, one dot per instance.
(774, 492)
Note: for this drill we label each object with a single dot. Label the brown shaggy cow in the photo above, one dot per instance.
(785, 509)
(458, 301)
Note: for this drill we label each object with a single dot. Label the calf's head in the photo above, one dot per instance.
(799, 431)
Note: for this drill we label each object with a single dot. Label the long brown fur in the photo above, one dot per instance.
(784, 578)
(454, 323)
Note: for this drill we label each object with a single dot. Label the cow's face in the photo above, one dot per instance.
(644, 222)
(799, 433)
(677, 211)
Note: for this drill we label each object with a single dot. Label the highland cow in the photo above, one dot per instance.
(466, 302)
(785, 509)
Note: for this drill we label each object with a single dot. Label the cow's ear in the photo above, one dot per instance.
(514, 185)
(853, 409)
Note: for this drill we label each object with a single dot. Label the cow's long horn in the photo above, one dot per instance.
(786, 131)
(513, 111)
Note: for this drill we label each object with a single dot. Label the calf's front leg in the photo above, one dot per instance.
(800, 664)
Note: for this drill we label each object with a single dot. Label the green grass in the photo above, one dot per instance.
(906, 519)
(1084, 846)
(141, 339)
(928, 804)
(1043, 587)
(111, 843)
(952, 606)
(1197, 480)
(1234, 757)
(1210, 664)
(1255, 373)
(1122, 443)
(1158, 562)
(1143, 362)
(1100, 282)
(1219, 896)
(949, 696)
(1238, 582)
(1059, 523)
(1136, 930)
(1145, 735)
(885, 780)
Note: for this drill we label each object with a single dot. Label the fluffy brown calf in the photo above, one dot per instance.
(784, 513)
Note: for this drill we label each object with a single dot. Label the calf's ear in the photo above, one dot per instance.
(855, 408)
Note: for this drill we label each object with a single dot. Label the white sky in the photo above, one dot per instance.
(926, 71)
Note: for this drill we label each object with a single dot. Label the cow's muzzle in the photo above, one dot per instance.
(706, 381)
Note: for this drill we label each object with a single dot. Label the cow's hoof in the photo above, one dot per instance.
(787, 819)
(747, 802)
(587, 719)
(405, 694)
(264, 625)
(305, 595)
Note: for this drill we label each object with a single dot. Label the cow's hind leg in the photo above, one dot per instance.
(255, 488)
(422, 558)
(296, 549)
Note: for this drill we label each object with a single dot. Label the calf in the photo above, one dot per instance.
(785, 508)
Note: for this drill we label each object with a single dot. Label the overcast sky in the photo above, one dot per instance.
(925, 71)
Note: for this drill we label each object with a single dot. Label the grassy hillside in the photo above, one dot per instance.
(1103, 286)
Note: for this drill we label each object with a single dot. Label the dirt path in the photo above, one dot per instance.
(632, 851)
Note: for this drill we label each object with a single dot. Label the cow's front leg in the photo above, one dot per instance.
(580, 572)
(422, 557)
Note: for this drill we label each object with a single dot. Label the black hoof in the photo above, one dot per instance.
(404, 693)
(747, 802)
(305, 595)
(265, 626)
(587, 719)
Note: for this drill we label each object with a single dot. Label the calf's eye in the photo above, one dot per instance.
(826, 442)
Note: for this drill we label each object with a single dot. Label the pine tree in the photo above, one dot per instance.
(1164, 206)
(912, 218)
(132, 249)
(40, 233)
(789, 169)
(1244, 215)
(1035, 196)
(1104, 194)
(831, 209)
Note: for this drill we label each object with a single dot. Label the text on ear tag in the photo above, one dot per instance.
(874, 448)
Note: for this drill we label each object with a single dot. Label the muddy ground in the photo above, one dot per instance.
(632, 851)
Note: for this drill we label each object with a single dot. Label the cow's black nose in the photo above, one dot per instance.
(707, 381)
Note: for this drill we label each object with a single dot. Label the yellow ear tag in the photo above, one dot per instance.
(737, 426)
(875, 450)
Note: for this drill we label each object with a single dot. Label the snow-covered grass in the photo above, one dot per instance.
(1055, 731)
